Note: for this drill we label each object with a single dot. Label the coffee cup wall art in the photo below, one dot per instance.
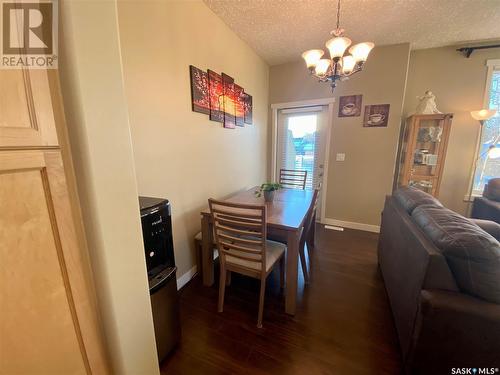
(218, 96)
(376, 115)
(350, 105)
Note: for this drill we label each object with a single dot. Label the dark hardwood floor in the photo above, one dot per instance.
(343, 323)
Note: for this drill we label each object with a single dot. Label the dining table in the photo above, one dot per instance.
(286, 216)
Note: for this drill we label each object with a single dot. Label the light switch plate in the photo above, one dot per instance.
(341, 157)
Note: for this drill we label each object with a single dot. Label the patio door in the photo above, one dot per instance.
(301, 142)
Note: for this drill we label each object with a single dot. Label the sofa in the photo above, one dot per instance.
(442, 276)
(487, 207)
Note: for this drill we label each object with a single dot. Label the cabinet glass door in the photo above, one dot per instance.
(423, 151)
(427, 148)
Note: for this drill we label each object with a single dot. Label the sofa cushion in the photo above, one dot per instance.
(472, 254)
(410, 198)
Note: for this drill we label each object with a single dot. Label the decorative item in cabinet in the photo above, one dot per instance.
(423, 151)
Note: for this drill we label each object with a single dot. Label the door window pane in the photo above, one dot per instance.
(300, 145)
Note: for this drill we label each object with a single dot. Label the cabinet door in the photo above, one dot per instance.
(26, 113)
(424, 151)
(46, 320)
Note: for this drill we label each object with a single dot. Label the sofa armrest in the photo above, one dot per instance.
(454, 330)
(489, 227)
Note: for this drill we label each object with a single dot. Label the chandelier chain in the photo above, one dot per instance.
(338, 14)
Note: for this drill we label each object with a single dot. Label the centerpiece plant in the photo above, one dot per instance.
(268, 189)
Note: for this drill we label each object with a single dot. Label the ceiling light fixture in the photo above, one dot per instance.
(338, 66)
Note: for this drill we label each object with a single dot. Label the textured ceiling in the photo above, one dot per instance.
(280, 30)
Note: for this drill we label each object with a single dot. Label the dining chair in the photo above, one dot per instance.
(293, 178)
(309, 222)
(241, 236)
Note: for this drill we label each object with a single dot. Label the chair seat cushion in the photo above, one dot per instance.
(410, 198)
(472, 254)
(274, 251)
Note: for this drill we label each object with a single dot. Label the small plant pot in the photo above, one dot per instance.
(269, 196)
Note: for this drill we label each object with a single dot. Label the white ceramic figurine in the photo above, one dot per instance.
(427, 104)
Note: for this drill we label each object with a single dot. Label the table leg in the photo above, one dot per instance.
(207, 251)
(292, 261)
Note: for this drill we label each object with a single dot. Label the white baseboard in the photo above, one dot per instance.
(334, 227)
(352, 225)
(184, 279)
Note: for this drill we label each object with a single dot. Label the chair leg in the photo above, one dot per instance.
(198, 256)
(310, 240)
(303, 263)
(261, 302)
(228, 278)
(222, 287)
(282, 271)
(310, 246)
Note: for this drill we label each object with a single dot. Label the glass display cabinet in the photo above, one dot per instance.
(423, 151)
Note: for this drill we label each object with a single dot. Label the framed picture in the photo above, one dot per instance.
(376, 115)
(229, 102)
(199, 90)
(247, 104)
(239, 105)
(216, 93)
(350, 106)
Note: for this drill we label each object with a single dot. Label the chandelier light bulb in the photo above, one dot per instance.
(361, 51)
(322, 67)
(337, 46)
(312, 57)
(348, 64)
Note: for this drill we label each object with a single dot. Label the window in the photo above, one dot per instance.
(488, 162)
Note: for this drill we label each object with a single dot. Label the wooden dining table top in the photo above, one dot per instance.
(287, 211)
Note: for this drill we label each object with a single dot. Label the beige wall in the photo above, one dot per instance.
(180, 154)
(458, 84)
(357, 186)
(98, 127)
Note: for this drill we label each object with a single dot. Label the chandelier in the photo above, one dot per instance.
(338, 66)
